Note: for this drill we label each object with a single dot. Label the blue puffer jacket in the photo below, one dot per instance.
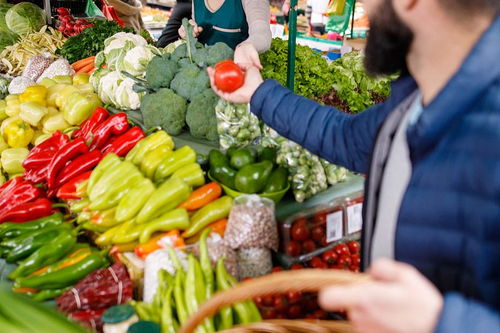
(449, 221)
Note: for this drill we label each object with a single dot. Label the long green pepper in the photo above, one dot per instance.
(130, 205)
(11, 230)
(109, 177)
(226, 313)
(109, 162)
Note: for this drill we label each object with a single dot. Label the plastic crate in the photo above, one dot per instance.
(76, 7)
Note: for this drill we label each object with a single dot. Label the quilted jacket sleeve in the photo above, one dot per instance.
(461, 315)
(342, 139)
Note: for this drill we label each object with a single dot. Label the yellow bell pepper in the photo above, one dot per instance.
(47, 83)
(78, 107)
(81, 78)
(18, 133)
(3, 114)
(12, 160)
(37, 94)
(65, 79)
(12, 105)
(54, 123)
(64, 94)
(3, 144)
(53, 93)
(32, 112)
(6, 123)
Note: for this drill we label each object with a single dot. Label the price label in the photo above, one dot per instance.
(334, 226)
(354, 218)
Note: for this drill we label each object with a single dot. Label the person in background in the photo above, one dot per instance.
(315, 14)
(129, 11)
(241, 24)
(183, 9)
(431, 230)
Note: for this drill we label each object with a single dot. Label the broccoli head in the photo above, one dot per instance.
(200, 116)
(179, 52)
(190, 81)
(160, 71)
(166, 109)
(219, 52)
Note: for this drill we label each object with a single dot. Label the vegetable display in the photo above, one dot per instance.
(25, 18)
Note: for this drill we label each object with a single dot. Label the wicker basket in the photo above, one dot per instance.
(306, 280)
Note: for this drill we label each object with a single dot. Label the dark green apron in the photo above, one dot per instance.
(228, 24)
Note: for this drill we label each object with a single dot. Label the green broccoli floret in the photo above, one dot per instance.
(218, 52)
(160, 71)
(179, 53)
(200, 116)
(189, 82)
(166, 109)
(185, 62)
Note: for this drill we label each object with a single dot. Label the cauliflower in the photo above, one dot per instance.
(200, 116)
(165, 109)
(136, 60)
(108, 85)
(190, 81)
(126, 97)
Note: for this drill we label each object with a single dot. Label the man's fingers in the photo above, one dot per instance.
(340, 298)
(388, 270)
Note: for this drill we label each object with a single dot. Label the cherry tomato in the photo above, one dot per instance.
(296, 267)
(294, 311)
(310, 304)
(277, 269)
(323, 242)
(293, 249)
(330, 257)
(301, 220)
(269, 313)
(345, 261)
(317, 233)
(300, 232)
(320, 217)
(342, 249)
(354, 247)
(268, 300)
(310, 317)
(280, 316)
(228, 76)
(259, 301)
(317, 263)
(308, 246)
(293, 296)
(320, 314)
(280, 303)
(356, 259)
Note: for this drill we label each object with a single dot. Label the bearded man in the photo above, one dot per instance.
(432, 155)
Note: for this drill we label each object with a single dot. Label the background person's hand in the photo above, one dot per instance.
(243, 95)
(399, 300)
(246, 56)
(196, 30)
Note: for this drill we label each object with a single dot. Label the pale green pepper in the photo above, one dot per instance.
(12, 160)
(192, 174)
(79, 106)
(153, 158)
(3, 114)
(55, 123)
(32, 112)
(180, 158)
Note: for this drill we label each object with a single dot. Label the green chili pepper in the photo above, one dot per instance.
(117, 188)
(110, 177)
(49, 294)
(137, 154)
(66, 276)
(251, 307)
(130, 232)
(11, 230)
(174, 219)
(153, 158)
(78, 206)
(94, 227)
(170, 194)
(46, 255)
(34, 241)
(179, 158)
(109, 162)
(77, 253)
(208, 275)
(180, 303)
(212, 212)
(226, 313)
(131, 204)
(192, 174)
(167, 318)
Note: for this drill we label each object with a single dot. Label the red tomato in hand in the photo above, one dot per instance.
(300, 232)
(293, 249)
(354, 247)
(308, 246)
(330, 257)
(228, 76)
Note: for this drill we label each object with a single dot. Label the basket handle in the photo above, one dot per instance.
(304, 280)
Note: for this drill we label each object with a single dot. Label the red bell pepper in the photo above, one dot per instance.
(66, 153)
(37, 176)
(117, 124)
(28, 211)
(55, 142)
(78, 166)
(124, 143)
(100, 114)
(70, 190)
(12, 183)
(19, 193)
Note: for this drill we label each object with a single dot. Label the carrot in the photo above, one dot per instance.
(77, 65)
(202, 196)
(86, 69)
(154, 244)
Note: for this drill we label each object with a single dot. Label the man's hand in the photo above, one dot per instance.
(196, 30)
(253, 80)
(247, 56)
(399, 300)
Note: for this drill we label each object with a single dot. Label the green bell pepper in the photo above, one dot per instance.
(278, 180)
(241, 157)
(252, 178)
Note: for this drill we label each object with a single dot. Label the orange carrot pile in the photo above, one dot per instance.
(84, 65)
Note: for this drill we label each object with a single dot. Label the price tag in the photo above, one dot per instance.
(354, 218)
(334, 226)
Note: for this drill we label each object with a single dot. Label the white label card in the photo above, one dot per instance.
(334, 226)
(354, 218)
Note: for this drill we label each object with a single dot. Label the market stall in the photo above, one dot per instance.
(130, 193)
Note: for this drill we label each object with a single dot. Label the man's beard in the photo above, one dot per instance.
(388, 42)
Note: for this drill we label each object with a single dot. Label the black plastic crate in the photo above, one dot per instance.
(76, 7)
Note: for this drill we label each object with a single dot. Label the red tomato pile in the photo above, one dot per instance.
(343, 256)
(69, 26)
(307, 235)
